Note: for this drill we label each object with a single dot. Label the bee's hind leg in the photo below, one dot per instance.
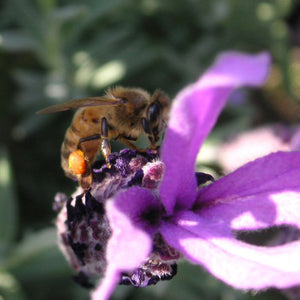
(85, 179)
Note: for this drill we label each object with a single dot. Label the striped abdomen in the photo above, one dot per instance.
(86, 122)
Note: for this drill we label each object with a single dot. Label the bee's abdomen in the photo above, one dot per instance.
(69, 145)
(82, 127)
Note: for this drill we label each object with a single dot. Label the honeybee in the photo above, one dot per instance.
(121, 113)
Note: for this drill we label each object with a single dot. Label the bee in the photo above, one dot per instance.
(120, 114)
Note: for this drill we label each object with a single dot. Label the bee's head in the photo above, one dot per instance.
(139, 105)
(156, 116)
(157, 113)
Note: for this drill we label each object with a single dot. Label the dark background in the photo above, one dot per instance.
(55, 50)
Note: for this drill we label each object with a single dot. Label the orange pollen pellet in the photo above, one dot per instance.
(77, 162)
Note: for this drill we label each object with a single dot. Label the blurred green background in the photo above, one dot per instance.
(55, 50)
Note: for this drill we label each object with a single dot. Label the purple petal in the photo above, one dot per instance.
(274, 172)
(127, 248)
(194, 113)
(257, 212)
(237, 263)
(263, 193)
(106, 287)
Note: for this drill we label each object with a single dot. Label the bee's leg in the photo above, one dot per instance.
(105, 144)
(87, 139)
(149, 133)
(126, 142)
(85, 179)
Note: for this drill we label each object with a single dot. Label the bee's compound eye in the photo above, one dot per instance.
(153, 112)
(77, 162)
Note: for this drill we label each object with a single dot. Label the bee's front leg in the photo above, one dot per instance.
(134, 147)
(150, 135)
(126, 142)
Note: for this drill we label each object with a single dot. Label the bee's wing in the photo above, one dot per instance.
(77, 103)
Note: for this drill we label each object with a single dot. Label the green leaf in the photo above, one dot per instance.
(9, 287)
(97, 10)
(68, 13)
(38, 257)
(16, 40)
(28, 17)
(8, 200)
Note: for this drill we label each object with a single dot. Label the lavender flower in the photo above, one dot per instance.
(148, 212)
(257, 142)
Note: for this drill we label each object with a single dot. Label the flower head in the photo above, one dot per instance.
(155, 211)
